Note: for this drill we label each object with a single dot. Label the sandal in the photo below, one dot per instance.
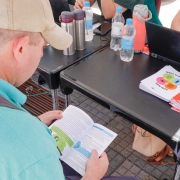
(134, 127)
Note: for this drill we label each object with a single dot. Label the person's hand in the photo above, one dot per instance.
(96, 167)
(50, 116)
(79, 4)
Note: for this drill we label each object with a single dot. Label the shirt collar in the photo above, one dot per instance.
(12, 93)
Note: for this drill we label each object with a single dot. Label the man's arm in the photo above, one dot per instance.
(175, 24)
(79, 4)
(109, 8)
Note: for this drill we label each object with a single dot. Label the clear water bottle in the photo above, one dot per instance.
(127, 48)
(116, 30)
(88, 21)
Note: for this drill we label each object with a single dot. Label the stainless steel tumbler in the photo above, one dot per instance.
(79, 29)
(66, 19)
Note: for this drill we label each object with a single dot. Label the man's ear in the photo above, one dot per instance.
(20, 47)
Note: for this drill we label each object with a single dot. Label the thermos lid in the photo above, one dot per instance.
(141, 9)
(119, 9)
(129, 21)
(87, 4)
(66, 17)
(78, 14)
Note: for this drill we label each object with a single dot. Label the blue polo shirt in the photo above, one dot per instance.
(27, 149)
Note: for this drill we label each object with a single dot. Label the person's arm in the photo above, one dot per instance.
(175, 24)
(109, 8)
(96, 167)
(79, 4)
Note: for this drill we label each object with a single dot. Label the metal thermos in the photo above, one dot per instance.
(66, 19)
(79, 29)
(140, 15)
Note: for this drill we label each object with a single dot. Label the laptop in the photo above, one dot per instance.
(164, 43)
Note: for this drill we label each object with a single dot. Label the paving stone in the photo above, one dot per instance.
(109, 171)
(118, 148)
(88, 107)
(120, 126)
(148, 168)
(114, 164)
(126, 130)
(125, 153)
(136, 160)
(162, 167)
(106, 118)
(122, 135)
(129, 139)
(112, 145)
(94, 111)
(120, 158)
(157, 173)
(121, 170)
(143, 175)
(100, 115)
(129, 173)
(165, 176)
(170, 172)
(102, 122)
(99, 107)
(124, 144)
(115, 174)
(112, 153)
(127, 164)
(95, 118)
(135, 170)
(93, 104)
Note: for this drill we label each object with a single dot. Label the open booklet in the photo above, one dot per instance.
(164, 84)
(76, 135)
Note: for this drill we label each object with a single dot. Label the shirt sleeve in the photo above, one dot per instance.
(129, 4)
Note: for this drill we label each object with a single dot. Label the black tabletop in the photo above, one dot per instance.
(115, 84)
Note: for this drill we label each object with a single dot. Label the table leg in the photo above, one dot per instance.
(177, 171)
(177, 160)
(67, 100)
(55, 99)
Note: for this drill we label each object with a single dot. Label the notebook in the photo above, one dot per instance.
(164, 43)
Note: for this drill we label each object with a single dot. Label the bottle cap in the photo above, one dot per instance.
(87, 4)
(78, 14)
(66, 17)
(129, 21)
(119, 9)
(141, 9)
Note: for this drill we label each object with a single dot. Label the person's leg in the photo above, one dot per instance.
(71, 174)
(68, 171)
(120, 178)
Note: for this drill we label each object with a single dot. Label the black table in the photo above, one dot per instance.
(115, 84)
(53, 61)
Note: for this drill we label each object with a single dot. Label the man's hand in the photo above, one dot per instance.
(50, 116)
(96, 167)
(79, 4)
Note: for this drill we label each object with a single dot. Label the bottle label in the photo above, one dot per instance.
(88, 24)
(127, 43)
(117, 29)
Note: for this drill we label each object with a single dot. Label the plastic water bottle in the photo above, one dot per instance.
(116, 30)
(127, 48)
(88, 21)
